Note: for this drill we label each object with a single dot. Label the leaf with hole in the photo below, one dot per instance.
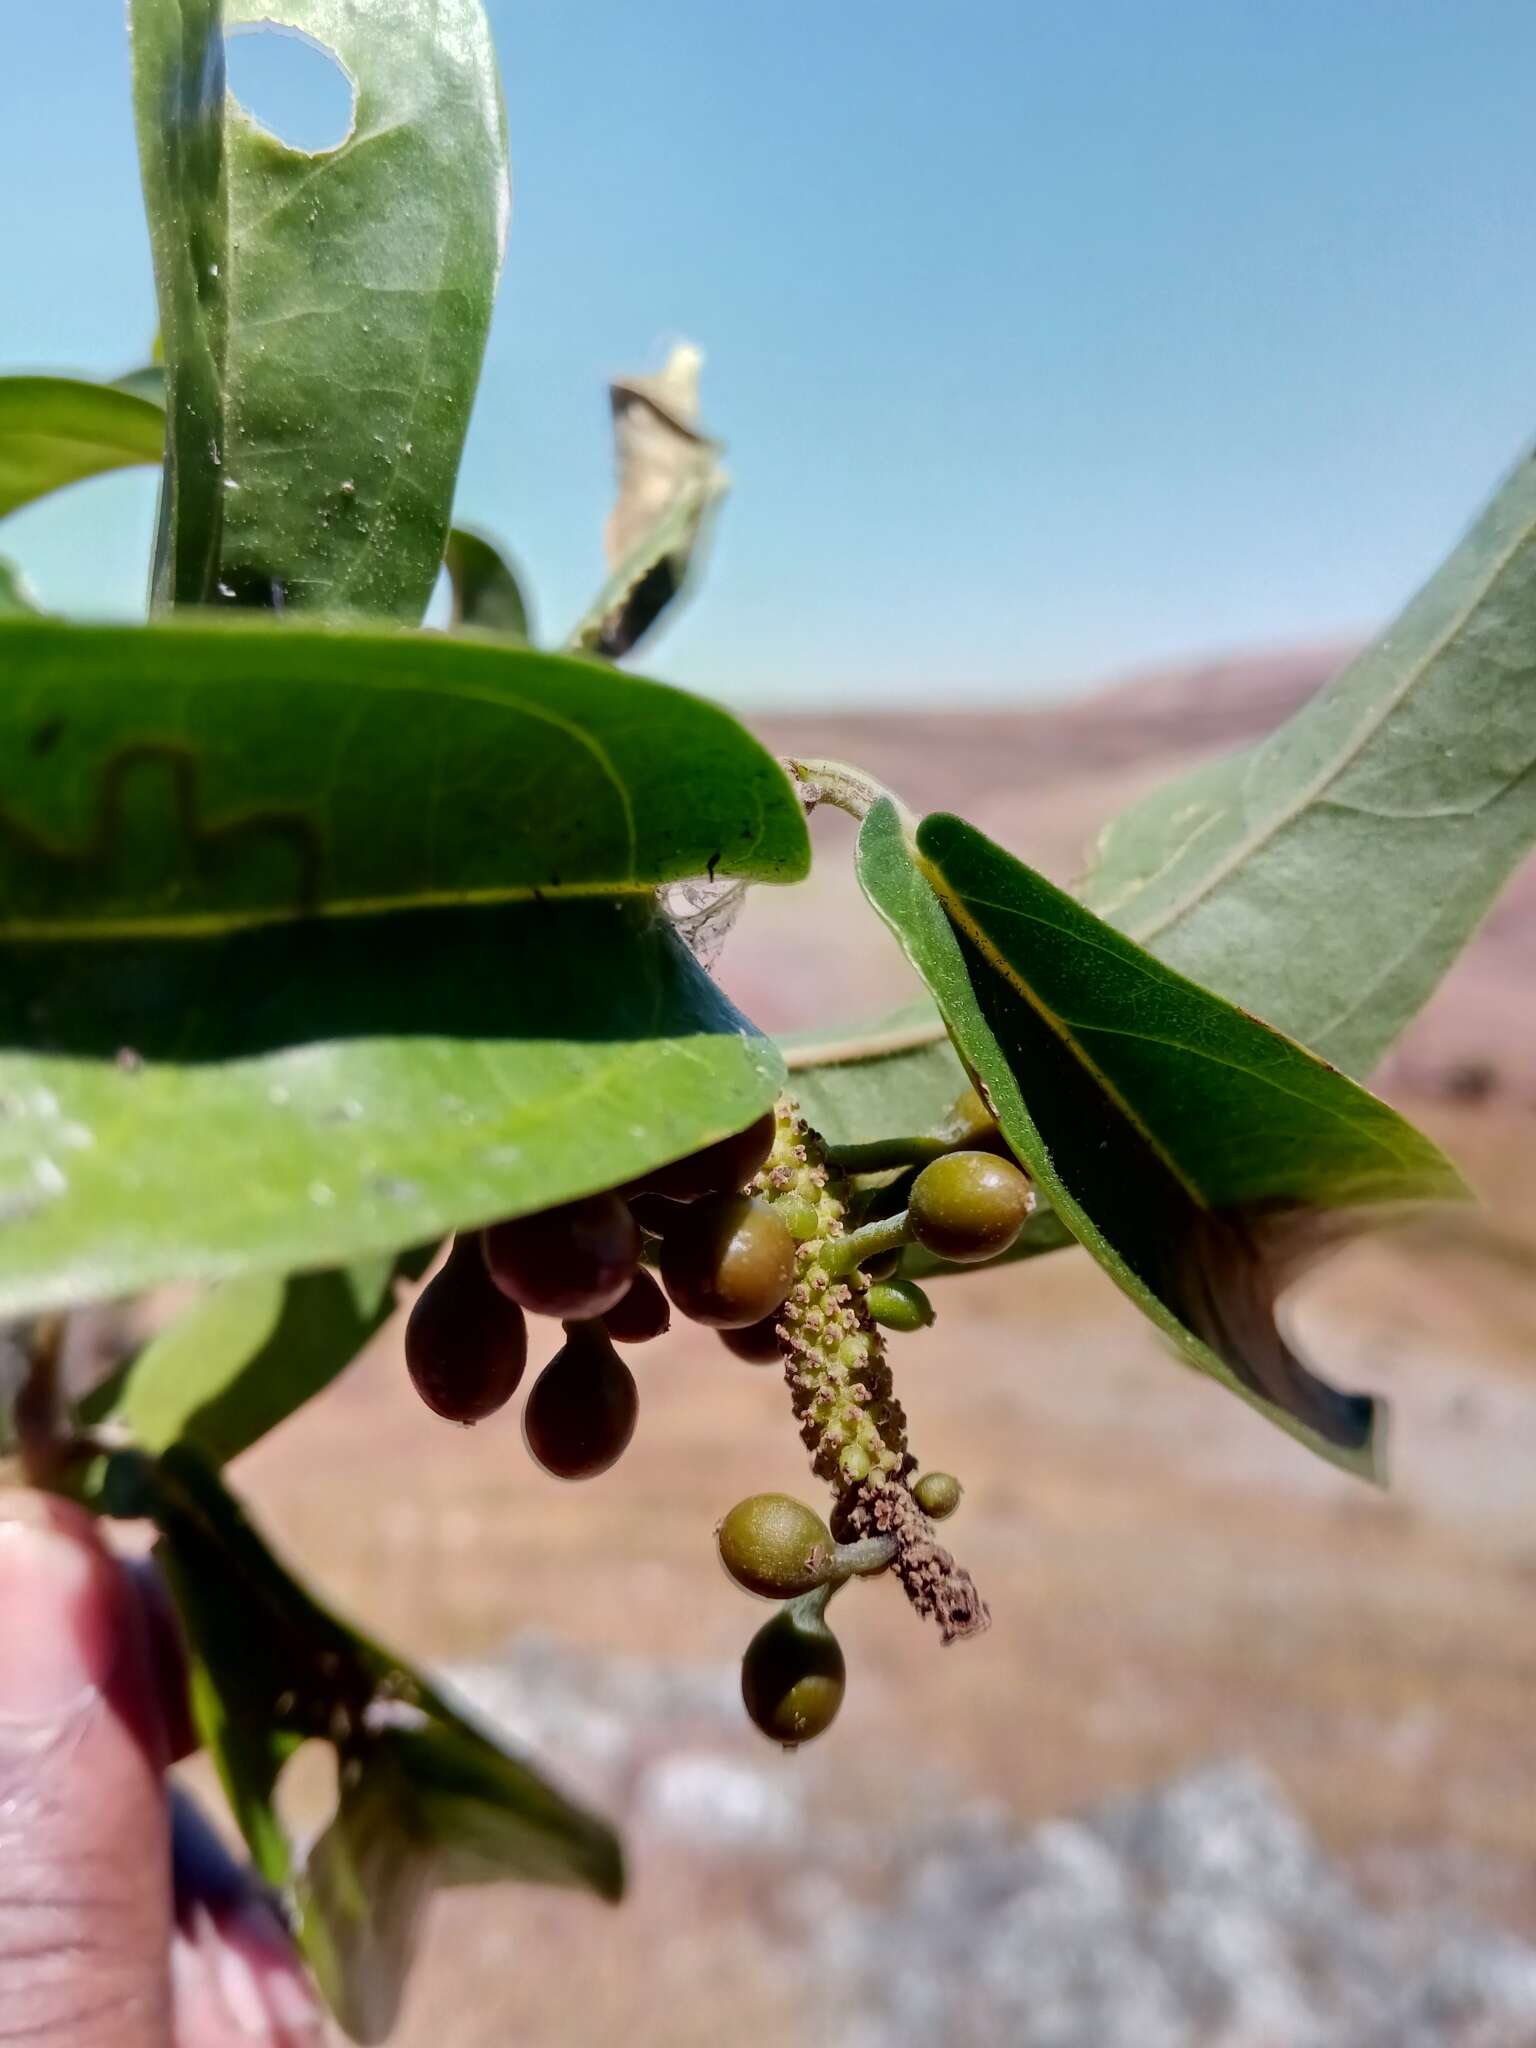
(1328, 877)
(426, 1797)
(56, 431)
(1199, 1155)
(324, 316)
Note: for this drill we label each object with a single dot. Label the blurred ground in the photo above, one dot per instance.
(1171, 1581)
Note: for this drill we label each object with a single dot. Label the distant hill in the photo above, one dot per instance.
(1044, 781)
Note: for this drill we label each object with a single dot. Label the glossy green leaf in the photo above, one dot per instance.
(427, 1798)
(1328, 877)
(1197, 1154)
(894, 1077)
(56, 431)
(486, 591)
(249, 1354)
(324, 316)
(304, 1095)
(195, 778)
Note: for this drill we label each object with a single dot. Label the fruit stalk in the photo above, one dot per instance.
(840, 1386)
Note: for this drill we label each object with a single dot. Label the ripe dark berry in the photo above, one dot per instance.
(573, 1262)
(757, 1343)
(639, 1315)
(968, 1206)
(580, 1416)
(937, 1494)
(720, 1169)
(465, 1343)
(775, 1546)
(730, 1262)
(793, 1677)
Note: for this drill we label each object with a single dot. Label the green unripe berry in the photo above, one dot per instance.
(730, 1262)
(573, 1262)
(581, 1414)
(720, 1169)
(793, 1677)
(937, 1494)
(968, 1206)
(639, 1315)
(799, 1218)
(757, 1344)
(853, 1463)
(465, 1344)
(775, 1546)
(969, 1123)
(900, 1305)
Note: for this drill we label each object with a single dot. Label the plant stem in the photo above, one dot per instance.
(886, 1234)
(881, 1154)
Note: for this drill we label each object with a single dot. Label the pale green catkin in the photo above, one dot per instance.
(840, 1383)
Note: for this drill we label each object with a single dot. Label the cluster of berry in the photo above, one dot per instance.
(758, 1239)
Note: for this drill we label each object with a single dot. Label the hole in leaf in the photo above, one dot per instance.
(296, 88)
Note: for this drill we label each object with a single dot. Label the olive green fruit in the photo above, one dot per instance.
(757, 1343)
(793, 1676)
(937, 1494)
(580, 1416)
(899, 1305)
(775, 1546)
(639, 1315)
(968, 1206)
(573, 1262)
(465, 1343)
(720, 1169)
(729, 1262)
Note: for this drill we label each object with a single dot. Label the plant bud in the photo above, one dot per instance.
(937, 1494)
(900, 1305)
(775, 1546)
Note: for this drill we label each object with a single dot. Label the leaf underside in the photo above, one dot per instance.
(1198, 1155)
(193, 779)
(304, 1095)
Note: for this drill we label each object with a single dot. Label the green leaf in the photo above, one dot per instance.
(60, 430)
(305, 1095)
(15, 597)
(324, 316)
(193, 779)
(486, 592)
(427, 1797)
(670, 485)
(1195, 1152)
(1328, 877)
(248, 1355)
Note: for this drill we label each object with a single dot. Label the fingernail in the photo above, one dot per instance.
(51, 1620)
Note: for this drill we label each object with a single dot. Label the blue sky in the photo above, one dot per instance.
(1046, 340)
